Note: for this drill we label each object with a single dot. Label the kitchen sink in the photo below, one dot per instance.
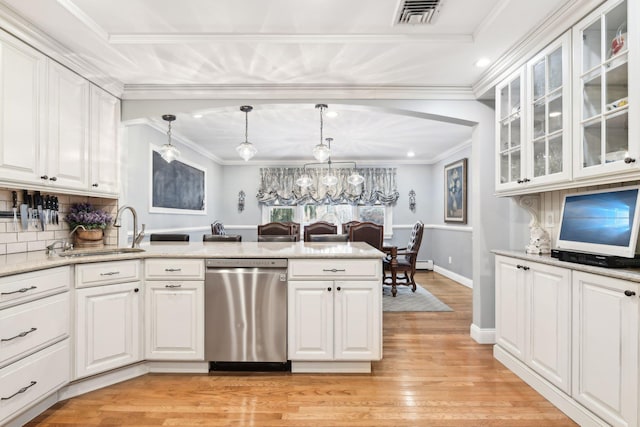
(96, 252)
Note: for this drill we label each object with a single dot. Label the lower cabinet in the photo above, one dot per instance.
(533, 317)
(108, 322)
(174, 320)
(605, 347)
(334, 320)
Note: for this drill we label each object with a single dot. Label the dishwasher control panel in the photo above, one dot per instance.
(247, 262)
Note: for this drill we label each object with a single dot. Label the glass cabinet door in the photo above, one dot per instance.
(602, 89)
(509, 129)
(548, 113)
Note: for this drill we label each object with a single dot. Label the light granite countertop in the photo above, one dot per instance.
(631, 274)
(31, 261)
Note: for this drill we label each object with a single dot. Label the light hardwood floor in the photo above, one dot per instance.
(432, 374)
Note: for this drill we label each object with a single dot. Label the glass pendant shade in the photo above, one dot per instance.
(321, 152)
(329, 180)
(304, 181)
(355, 179)
(169, 153)
(246, 150)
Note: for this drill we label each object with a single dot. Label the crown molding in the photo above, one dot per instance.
(561, 20)
(275, 91)
(194, 38)
(17, 26)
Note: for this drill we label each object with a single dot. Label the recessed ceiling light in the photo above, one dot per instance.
(555, 114)
(331, 114)
(483, 62)
(411, 154)
(197, 116)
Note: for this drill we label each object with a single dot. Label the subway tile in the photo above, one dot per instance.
(8, 237)
(3, 249)
(28, 236)
(13, 248)
(36, 246)
(46, 235)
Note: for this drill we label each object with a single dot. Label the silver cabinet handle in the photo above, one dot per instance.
(333, 270)
(171, 270)
(110, 273)
(22, 390)
(23, 290)
(20, 335)
(172, 286)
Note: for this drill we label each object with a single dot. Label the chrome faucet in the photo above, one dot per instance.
(66, 246)
(137, 237)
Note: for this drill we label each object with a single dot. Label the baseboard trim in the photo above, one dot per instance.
(465, 281)
(85, 385)
(560, 400)
(331, 367)
(482, 336)
(178, 367)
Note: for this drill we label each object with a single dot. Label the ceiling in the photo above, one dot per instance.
(258, 44)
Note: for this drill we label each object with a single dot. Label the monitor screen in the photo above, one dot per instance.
(601, 222)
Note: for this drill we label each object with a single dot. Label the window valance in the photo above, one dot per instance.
(278, 187)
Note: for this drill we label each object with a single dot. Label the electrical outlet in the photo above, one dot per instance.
(549, 221)
(449, 260)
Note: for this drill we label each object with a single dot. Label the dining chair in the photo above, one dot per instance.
(225, 238)
(347, 225)
(319, 227)
(368, 232)
(168, 237)
(276, 228)
(400, 264)
(328, 238)
(217, 228)
(277, 238)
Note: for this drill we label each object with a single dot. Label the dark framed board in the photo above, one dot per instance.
(177, 187)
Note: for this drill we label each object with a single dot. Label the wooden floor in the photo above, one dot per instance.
(432, 374)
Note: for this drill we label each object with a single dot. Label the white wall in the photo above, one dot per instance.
(136, 191)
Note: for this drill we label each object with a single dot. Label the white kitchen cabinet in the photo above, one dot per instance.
(334, 320)
(174, 320)
(533, 317)
(605, 347)
(108, 322)
(67, 146)
(105, 119)
(605, 98)
(22, 110)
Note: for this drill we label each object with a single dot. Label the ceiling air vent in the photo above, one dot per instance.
(418, 11)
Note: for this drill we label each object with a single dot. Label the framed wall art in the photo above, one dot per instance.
(455, 192)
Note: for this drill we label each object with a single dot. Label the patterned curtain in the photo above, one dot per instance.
(278, 187)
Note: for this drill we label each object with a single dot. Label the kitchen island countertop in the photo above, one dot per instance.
(31, 261)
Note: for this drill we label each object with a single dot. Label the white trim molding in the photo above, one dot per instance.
(465, 281)
(482, 336)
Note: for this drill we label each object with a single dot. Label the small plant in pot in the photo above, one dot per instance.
(87, 224)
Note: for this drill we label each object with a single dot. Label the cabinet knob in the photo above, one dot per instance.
(53, 178)
(44, 177)
(338, 288)
(629, 293)
(95, 184)
(329, 289)
(136, 290)
(628, 160)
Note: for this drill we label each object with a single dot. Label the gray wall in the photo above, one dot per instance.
(136, 186)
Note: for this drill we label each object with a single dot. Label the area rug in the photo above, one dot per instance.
(406, 300)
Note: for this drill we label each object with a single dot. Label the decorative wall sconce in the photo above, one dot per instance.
(412, 200)
(241, 197)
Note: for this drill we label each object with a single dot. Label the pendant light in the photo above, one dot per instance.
(168, 151)
(246, 150)
(321, 151)
(329, 179)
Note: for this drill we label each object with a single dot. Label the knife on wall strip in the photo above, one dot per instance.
(14, 208)
(24, 218)
(38, 203)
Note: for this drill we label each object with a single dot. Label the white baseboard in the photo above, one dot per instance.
(559, 399)
(482, 336)
(85, 385)
(465, 281)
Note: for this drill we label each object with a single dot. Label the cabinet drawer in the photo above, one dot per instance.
(26, 327)
(104, 273)
(335, 269)
(24, 382)
(164, 268)
(24, 287)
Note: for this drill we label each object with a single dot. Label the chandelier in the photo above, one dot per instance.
(168, 151)
(329, 179)
(246, 150)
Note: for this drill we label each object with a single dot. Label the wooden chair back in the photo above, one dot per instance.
(367, 232)
(319, 227)
(225, 238)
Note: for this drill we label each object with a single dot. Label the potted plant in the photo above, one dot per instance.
(88, 224)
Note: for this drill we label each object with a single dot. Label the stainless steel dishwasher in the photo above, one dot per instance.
(245, 311)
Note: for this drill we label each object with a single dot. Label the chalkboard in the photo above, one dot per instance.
(176, 185)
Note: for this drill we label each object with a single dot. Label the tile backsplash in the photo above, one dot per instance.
(14, 239)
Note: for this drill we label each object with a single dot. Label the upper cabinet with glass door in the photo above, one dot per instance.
(510, 132)
(604, 96)
(548, 114)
